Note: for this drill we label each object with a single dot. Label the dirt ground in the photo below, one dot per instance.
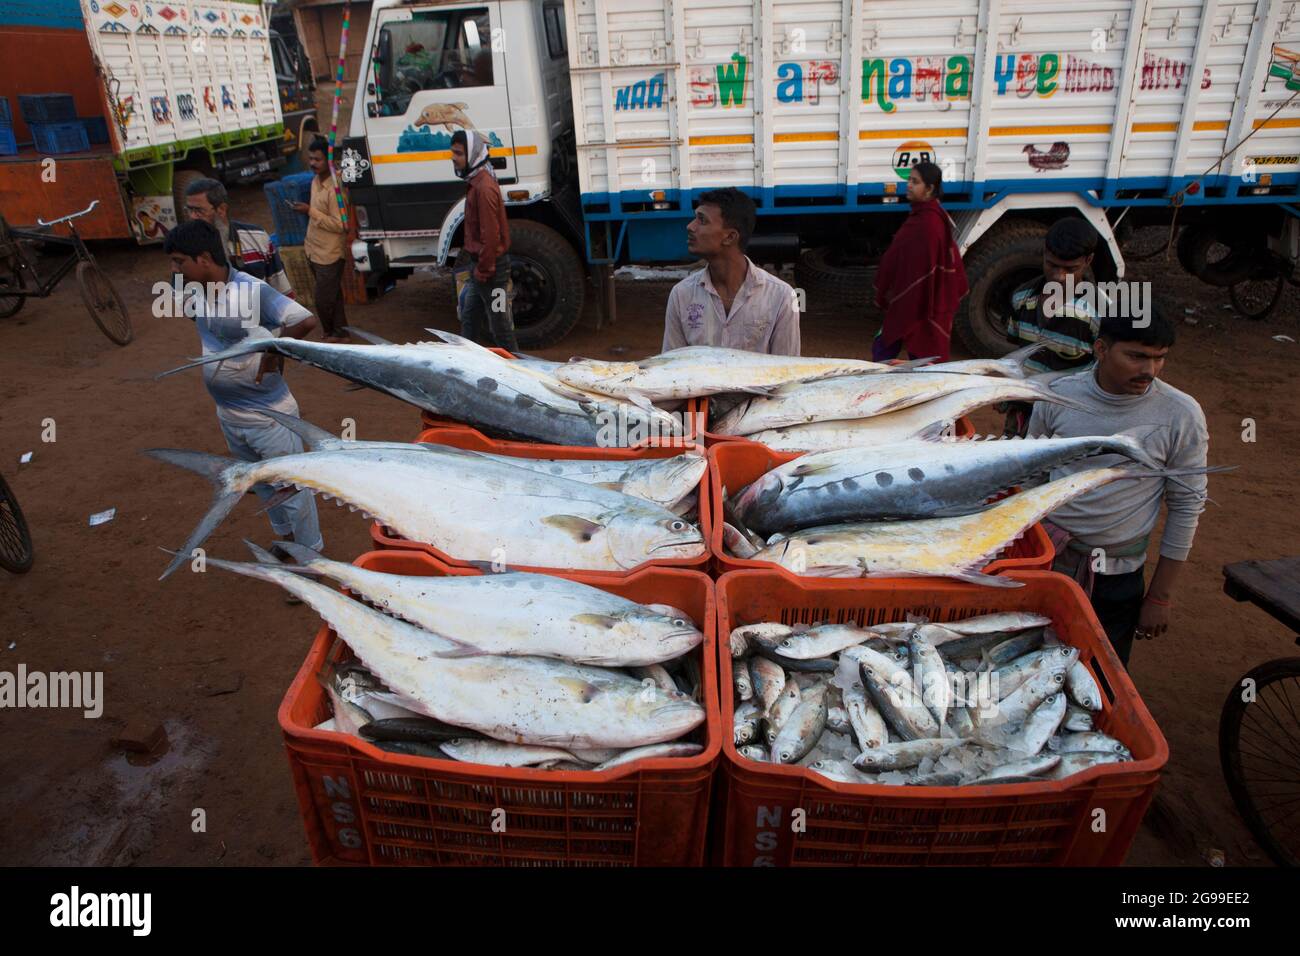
(210, 656)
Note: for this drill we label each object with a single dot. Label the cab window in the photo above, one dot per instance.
(556, 43)
(432, 51)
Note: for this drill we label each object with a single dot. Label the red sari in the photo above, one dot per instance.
(919, 284)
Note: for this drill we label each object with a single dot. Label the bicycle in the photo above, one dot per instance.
(20, 279)
(1259, 729)
(15, 540)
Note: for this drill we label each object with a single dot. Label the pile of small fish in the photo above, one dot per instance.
(915, 507)
(994, 699)
(579, 515)
(872, 407)
(511, 669)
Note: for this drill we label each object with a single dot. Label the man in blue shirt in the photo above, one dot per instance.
(225, 303)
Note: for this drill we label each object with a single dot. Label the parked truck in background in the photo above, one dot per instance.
(608, 119)
(186, 88)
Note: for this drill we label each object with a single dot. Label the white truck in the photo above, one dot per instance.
(608, 118)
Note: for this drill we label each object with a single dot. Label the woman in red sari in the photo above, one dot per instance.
(921, 278)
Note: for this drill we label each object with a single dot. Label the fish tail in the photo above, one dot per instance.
(301, 587)
(304, 555)
(313, 437)
(216, 469)
(258, 339)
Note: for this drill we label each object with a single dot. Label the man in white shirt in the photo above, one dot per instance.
(731, 302)
(225, 304)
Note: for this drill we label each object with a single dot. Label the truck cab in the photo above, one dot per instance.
(500, 68)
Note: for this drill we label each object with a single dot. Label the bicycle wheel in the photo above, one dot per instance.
(15, 540)
(1259, 749)
(11, 278)
(1256, 298)
(103, 303)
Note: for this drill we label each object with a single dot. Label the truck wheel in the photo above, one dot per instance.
(549, 284)
(837, 276)
(181, 181)
(1008, 256)
(1216, 256)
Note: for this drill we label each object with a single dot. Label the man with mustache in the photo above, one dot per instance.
(1101, 538)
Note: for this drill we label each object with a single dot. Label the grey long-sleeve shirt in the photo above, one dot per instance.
(1170, 425)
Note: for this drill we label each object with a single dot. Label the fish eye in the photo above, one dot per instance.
(679, 622)
(678, 526)
(785, 755)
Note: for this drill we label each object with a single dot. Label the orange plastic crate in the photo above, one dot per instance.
(963, 428)
(364, 806)
(386, 539)
(1087, 820)
(733, 465)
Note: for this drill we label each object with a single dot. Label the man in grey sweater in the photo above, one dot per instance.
(1102, 536)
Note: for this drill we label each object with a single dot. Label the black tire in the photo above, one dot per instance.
(829, 274)
(1257, 297)
(181, 181)
(1195, 249)
(15, 540)
(1257, 782)
(1010, 254)
(550, 284)
(12, 278)
(103, 303)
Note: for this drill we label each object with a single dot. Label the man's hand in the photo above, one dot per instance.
(1153, 620)
(301, 207)
(270, 363)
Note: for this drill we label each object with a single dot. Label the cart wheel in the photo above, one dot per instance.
(15, 540)
(1258, 749)
(11, 279)
(1256, 298)
(103, 303)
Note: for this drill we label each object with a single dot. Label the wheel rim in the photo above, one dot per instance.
(15, 549)
(1268, 747)
(106, 308)
(997, 302)
(9, 304)
(534, 296)
(1257, 297)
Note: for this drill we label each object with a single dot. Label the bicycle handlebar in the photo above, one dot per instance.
(74, 215)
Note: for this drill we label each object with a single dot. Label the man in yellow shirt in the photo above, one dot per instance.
(326, 244)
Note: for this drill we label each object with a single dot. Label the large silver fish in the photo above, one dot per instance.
(1011, 365)
(852, 396)
(520, 700)
(932, 419)
(515, 613)
(461, 503)
(909, 479)
(468, 383)
(948, 547)
(697, 370)
(665, 481)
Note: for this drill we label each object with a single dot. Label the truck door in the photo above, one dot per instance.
(436, 70)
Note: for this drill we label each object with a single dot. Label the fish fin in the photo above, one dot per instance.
(566, 391)
(1022, 355)
(596, 620)
(736, 542)
(641, 402)
(732, 517)
(356, 387)
(365, 336)
(988, 580)
(913, 364)
(258, 339)
(582, 529)
(584, 689)
(313, 436)
(298, 552)
(813, 469)
(834, 571)
(261, 555)
(214, 468)
(451, 338)
(461, 649)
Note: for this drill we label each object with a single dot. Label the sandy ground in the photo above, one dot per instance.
(210, 655)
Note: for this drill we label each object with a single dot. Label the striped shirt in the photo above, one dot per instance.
(1068, 336)
(251, 251)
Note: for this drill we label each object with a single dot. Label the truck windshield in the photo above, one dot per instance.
(434, 50)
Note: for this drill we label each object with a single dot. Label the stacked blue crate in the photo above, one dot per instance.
(8, 143)
(290, 226)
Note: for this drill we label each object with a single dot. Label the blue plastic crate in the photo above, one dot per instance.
(290, 226)
(96, 129)
(45, 108)
(8, 145)
(54, 138)
(6, 113)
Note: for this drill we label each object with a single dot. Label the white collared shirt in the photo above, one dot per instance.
(764, 316)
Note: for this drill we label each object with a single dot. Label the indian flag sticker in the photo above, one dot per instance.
(909, 154)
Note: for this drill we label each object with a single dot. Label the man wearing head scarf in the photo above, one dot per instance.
(485, 298)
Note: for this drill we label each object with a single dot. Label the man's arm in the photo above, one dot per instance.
(1184, 502)
(329, 221)
(674, 334)
(785, 330)
(281, 314)
(487, 200)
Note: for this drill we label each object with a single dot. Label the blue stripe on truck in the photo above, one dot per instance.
(55, 14)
